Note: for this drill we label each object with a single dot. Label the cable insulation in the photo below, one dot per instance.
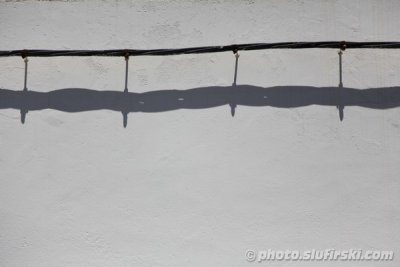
(342, 45)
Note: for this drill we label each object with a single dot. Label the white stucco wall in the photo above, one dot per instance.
(198, 187)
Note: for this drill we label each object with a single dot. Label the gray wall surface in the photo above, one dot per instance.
(186, 183)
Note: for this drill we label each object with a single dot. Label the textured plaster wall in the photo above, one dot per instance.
(197, 187)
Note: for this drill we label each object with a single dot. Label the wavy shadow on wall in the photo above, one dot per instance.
(78, 100)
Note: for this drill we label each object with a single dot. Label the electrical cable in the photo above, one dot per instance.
(342, 45)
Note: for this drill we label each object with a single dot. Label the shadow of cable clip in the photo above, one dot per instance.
(24, 106)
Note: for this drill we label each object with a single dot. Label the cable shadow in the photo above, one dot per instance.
(79, 100)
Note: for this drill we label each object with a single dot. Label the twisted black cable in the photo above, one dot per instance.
(342, 45)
